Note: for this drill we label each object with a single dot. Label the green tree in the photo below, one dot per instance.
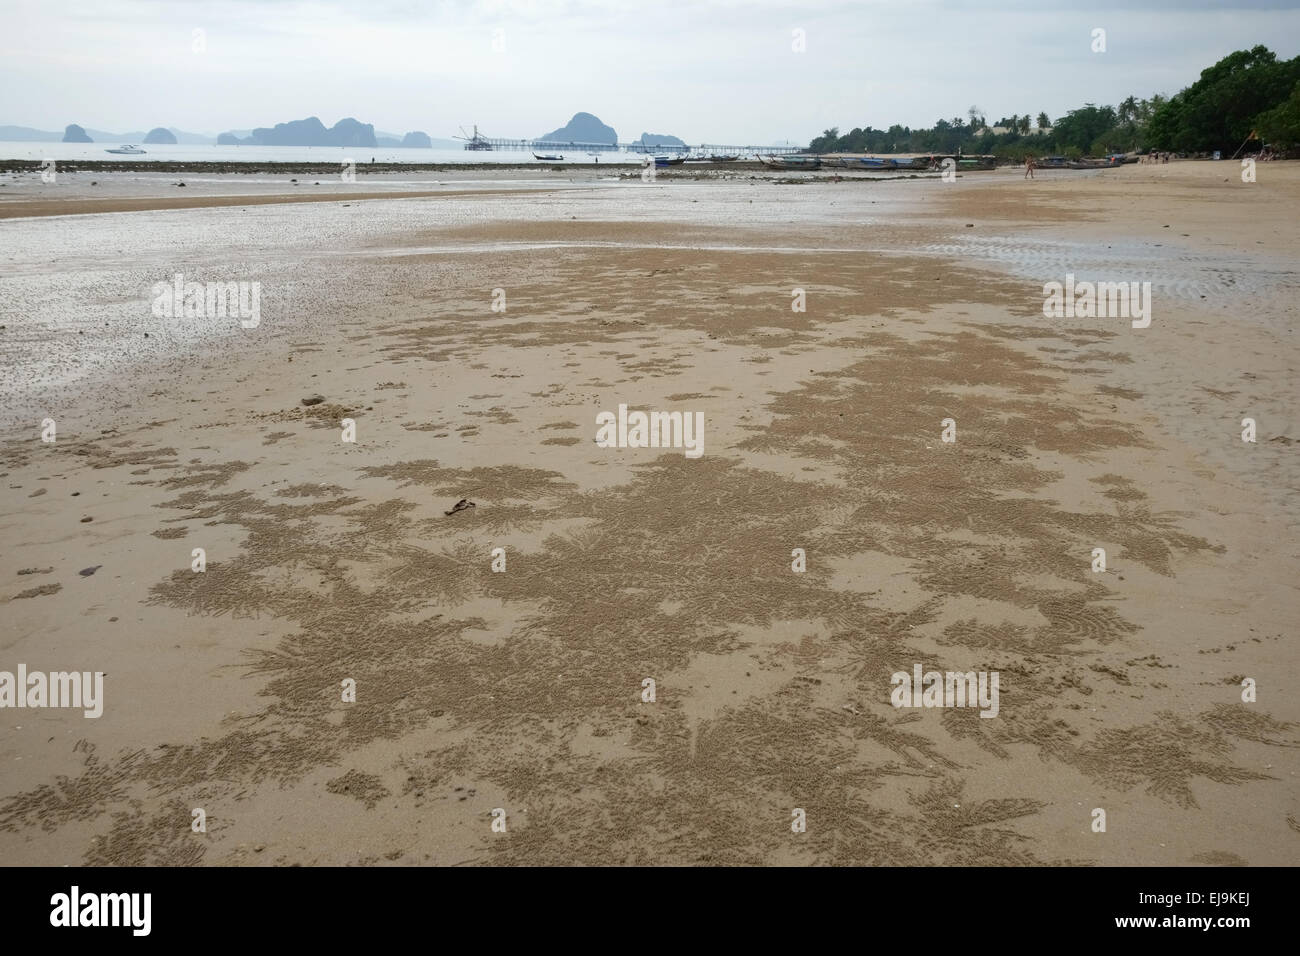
(826, 142)
(1245, 90)
(1280, 126)
(1080, 129)
(1218, 111)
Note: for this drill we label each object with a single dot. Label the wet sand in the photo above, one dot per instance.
(522, 690)
(93, 188)
(82, 206)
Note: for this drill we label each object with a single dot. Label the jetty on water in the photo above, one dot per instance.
(478, 142)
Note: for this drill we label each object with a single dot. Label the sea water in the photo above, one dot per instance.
(67, 152)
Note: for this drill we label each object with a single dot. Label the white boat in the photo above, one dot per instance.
(127, 151)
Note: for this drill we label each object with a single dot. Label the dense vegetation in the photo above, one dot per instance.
(1250, 90)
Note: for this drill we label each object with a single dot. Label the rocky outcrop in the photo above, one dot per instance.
(306, 132)
(660, 139)
(415, 140)
(583, 128)
(75, 134)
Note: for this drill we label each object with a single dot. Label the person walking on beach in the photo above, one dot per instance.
(1029, 167)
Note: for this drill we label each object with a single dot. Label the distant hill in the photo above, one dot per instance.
(660, 139)
(26, 134)
(139, 136)
(306, 132)
(102, 136)
(191, 139)
(416, 140)
(583, 128)
(75, 134)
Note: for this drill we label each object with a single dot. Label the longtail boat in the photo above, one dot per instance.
(791, 162)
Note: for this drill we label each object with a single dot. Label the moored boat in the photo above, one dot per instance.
(127, 151)
(669, 160)
(548, 157)
(791, 162)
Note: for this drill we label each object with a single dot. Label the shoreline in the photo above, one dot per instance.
(86, 206)
(253, 167)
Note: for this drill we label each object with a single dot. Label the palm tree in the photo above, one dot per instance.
(1024, 124)
(1044, 121)
(1015, 122)
(975, 113)
(1128, 110)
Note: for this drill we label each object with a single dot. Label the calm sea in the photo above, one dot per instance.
(290, 154)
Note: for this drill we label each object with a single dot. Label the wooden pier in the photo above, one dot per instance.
(486, 143)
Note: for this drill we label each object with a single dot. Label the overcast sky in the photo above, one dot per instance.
(720, 71)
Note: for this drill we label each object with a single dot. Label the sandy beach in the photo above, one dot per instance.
(523, 690)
